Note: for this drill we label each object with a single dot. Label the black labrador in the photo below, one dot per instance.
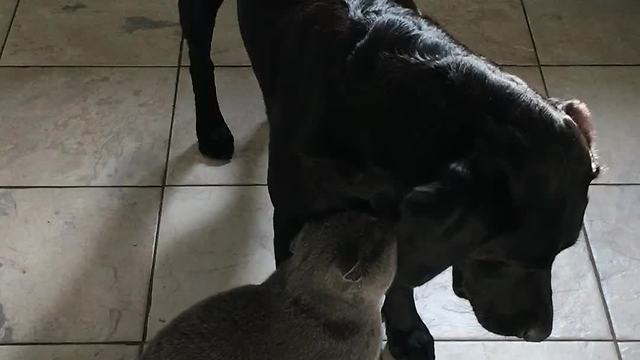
(374, 107)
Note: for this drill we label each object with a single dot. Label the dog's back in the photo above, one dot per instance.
(323, 304)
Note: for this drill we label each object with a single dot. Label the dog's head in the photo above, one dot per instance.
(502, 175)
(512, 207)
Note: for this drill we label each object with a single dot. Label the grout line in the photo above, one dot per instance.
(218, 185)
(514, 340)
(17, 187)
(81, 66)
(604, 300)
(215, 66)
(13, 66)
(590, 65)
(615, 184)
(231, 66)
(72, 343)
(153, 265)
(145, 326)
(9, 26)
(448, 340)
(128, 186)
(535, 48)
(517, 65)
(140, 351)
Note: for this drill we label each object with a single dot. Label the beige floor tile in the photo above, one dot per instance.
(496, 29)
(630, 351)
(579, 312)
(228, 48)
(84, 126)
(69, 352)
(612, 96)
(241, 103)
(6, 13)
(573, 32)
(613, 224)
(522, 351)
(211, 240)
(531, 75)
(94, 32)
(77, 262)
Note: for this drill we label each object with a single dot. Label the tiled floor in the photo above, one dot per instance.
(102, 189)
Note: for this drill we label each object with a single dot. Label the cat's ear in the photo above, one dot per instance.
(354, 274)
(348, 262)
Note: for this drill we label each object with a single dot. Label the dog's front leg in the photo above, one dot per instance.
(407, 336)
(197, 18)
(285, 229)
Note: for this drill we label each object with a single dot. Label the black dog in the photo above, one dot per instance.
(373, 107)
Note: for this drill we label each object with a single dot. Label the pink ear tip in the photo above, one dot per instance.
(577, 106)
(580, 114)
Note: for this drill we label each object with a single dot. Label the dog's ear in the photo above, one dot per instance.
(441, 200)
(452, 184)
(476, 193)
(435, 205)
(425, 197)
(580, 115)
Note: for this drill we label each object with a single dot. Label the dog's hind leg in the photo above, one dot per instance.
(407, 336)
(197, 18)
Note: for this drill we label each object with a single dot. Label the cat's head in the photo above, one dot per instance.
(351, 254)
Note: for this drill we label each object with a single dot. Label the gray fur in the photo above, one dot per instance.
(322, 304)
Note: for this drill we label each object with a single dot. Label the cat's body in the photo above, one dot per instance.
(322, 304)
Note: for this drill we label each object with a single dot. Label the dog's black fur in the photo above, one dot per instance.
(373, 107)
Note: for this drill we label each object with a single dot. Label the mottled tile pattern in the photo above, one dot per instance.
(228, 48)
(612, 95)
(630, 351)
(69, 352)
(586, 31)
(495, 28)
(94, 32)
(211, 239)
(92, 102)
(523, 351)
(241, 102)
(77, 262)
(613, 224)
(578, 310)
(84, 126)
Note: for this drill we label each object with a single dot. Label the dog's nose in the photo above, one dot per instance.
(536, 334)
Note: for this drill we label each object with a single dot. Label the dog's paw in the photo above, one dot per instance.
(217, 144)
(415, 345)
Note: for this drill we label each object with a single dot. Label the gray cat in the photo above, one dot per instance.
(322, 304)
